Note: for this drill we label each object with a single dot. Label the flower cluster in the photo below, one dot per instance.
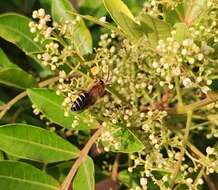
(141, 84)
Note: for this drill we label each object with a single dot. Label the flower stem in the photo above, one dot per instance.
(178, 92)
(184, 142)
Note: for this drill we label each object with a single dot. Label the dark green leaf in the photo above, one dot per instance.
(34, 143)
(14, 28)
(21, 176)
(82, 39)
(159, 29)
(17, 78)
(50, 105)
(129, 179)
(5, 62)
(86, 171)
(123, 17)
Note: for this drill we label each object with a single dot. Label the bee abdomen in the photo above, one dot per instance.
(81, 102)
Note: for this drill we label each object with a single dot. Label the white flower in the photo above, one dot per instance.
(209, 150)
(143, 181)
(102, 19)
(187, 82)
(205, 89)
(41, 12)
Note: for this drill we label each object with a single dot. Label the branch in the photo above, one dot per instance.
(65, 185)
(184, 109)
(115, 167)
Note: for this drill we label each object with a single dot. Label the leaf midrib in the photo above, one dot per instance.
(38, 144)
(22, 34)
(28, 181)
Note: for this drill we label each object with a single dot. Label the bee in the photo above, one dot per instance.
(88, 98)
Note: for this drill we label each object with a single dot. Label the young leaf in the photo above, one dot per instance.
(123, 17)
(81, 38)
(22, 176)
(14, 28)
(50, 105)
(160, 29)
(86, 171)
(17, 78)
(182, 32)
(34, 143)
(128, 142)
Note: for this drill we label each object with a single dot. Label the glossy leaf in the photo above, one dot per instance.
(22, 176)
(97, 21)
(17, 78)
(12, 75)
(86, 171)
(123, 17)
(81, 38)
(14, 28)
(128, 142)
(34, 143)
(159, 29)
(50, 105)
(5, 62)
(1, 155)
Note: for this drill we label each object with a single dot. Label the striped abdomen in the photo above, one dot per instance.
(81, 102)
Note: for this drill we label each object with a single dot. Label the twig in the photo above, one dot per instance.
(184, 142)
(9, 104)
(200, 174)
(183, 109)
(114, 172)
(210, 183)
(178, 91)
(65, 185)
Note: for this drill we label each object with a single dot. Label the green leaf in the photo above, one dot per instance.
(97, 21)
(5, 62)
(174, 16)
(182, 32)
(50, 105)
(1, 155)
(188, 12)
(17, 78)
(34, 143)
(86, 171)
(59, 171)
(159, 29)
(128, 142)
(12, 75)
(14, 28)
(129, 179)
(81, 38)
(123, 17)
(22, 176)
